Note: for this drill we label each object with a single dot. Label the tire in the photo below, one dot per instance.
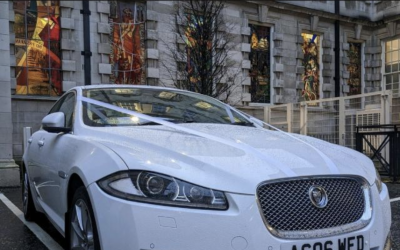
(82, 232)
(30, 213)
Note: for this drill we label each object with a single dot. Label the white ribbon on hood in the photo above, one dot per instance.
(332, 167)
(239, 145)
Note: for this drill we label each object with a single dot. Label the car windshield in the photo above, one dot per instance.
(170, 105)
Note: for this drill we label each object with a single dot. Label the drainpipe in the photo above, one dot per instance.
(337, 50)
(86, 42)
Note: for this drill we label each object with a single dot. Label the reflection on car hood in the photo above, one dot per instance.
(219, 166)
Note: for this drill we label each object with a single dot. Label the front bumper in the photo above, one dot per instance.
(138, 226)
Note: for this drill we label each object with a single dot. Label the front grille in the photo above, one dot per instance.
(286, 205)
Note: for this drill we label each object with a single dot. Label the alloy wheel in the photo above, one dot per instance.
(81, 227)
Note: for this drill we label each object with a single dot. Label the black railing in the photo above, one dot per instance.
(382, 144)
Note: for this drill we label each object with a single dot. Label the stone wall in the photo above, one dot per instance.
(26, 113)
(9, 171)
(5, 88)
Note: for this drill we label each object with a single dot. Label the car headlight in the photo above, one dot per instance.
(160, 189)
(378, 181)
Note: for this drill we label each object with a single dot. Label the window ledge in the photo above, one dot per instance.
(32, 97)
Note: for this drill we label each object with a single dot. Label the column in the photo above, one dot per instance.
(9, 171)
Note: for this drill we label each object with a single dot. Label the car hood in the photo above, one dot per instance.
(209, 163)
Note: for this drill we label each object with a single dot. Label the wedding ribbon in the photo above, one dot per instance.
(332, 167)
(236, 144)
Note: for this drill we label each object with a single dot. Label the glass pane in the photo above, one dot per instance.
(395, 44)
(388, 68)
(395, 56)
(127, 57)
(38, 81)
(311, 64)
(388, 58)
(389, 79)
(398, 54)
(37, 54)
(19, 6)
(55, 82)
(354, 68)
(395, 67)
(54, 8)
(37, 41)
(42, 31)
(21, 78)
(20, 31)
(55, 55)
(19, 24)
(388, 46)
(260, 64)
(42, 6)
(31, 20)
(53, 29)
(20, 55)
(395, 78)
(32, 5)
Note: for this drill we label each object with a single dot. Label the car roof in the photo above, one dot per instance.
(117, 86)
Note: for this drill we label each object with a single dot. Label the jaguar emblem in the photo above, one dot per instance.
(318, 196)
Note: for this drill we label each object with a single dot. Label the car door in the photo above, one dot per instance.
(51, 176)
(36, 159)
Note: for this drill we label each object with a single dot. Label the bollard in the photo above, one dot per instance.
(27, 132)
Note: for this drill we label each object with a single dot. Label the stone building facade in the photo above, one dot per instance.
(285, 51)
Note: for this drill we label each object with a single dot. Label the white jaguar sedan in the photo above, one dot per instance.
(141, 168)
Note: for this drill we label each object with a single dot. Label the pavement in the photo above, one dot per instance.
(15, 234)
(394, 192)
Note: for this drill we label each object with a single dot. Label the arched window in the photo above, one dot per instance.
(37, 47)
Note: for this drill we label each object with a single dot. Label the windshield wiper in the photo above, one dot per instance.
(248, 124)
(156, 123)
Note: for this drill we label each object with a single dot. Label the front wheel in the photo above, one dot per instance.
(28, 206)
(82, 225)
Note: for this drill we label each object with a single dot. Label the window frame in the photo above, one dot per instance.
(362, 65)
(140, 79)
(321, 67)
(383, 67)
(25, 67)
(271, 62)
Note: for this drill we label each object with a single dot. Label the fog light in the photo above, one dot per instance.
(388, 244)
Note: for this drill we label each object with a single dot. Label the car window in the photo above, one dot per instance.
(66, 105)
(170, 105)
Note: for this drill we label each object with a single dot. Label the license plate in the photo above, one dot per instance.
(352, 242)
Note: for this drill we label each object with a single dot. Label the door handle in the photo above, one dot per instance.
(30, 140)
(40, 143)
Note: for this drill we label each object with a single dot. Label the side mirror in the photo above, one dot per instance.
(55, 123)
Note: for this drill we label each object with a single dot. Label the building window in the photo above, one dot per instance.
(354, 69)
(311, 64)
(260, 69)
(392, 69)
(127, 42)
(198, 47)
(37, 48)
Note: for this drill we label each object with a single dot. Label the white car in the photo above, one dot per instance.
(140, 168)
